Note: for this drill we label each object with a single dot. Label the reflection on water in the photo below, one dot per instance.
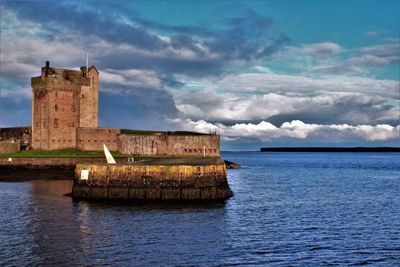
(288, 209)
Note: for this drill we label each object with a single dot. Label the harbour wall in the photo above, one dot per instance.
(152, 182)
(23, 169)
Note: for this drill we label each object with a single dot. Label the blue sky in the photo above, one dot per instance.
(262, 73)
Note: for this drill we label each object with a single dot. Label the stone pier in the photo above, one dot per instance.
(152, 182)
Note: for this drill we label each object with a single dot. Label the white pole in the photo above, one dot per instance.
(87, 61)
(204, 151)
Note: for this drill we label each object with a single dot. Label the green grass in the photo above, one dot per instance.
(63, 153)
(145, 132)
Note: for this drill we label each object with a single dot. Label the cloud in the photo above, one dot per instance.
(320, 107)
(198, 50)
(240, 74)
(365, 59)
(383, 50)
(368, 60)
(322, 49)
(373, 33)
(132, 78)
(248, 83)
(265, 131)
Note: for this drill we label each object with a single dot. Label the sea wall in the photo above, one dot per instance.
(152, 182)
(22, 169)
(33, 162)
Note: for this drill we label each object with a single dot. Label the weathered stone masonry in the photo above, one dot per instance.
(169, 144)
(56, 106)
(152, 182)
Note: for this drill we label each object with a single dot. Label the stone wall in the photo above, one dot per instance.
(9, 146)
(56, 106)
(92, 139)
(89, 101)
(40, 162)
(17, 133)
(152, 182)
(164, 144)
(63, 119)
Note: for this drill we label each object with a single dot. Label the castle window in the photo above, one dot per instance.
(83, 96)
(55, 107)
(73, 109)
(56, 94)
(55, 123)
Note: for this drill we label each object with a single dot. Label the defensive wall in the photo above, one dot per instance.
(136, 143)
(92, 139)
(169, 144)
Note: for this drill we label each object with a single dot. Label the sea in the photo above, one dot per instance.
(288, 209)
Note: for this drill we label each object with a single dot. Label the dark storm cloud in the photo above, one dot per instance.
(244, 38)
(67, 17)
(247, 37)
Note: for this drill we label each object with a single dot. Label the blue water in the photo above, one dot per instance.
(289, 209)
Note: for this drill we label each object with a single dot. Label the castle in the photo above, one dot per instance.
(65, 116)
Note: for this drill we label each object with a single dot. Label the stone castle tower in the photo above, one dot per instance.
(63, 100)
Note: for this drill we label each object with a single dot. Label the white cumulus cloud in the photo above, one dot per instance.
(322, 49)
(296, 129)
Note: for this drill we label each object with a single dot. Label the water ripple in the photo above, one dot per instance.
(288, 210)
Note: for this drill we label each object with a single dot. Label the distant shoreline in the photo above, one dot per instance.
(330, 149)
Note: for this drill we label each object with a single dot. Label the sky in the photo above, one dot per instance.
(259, 73)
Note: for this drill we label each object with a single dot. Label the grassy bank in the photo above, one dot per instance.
(63, 153)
